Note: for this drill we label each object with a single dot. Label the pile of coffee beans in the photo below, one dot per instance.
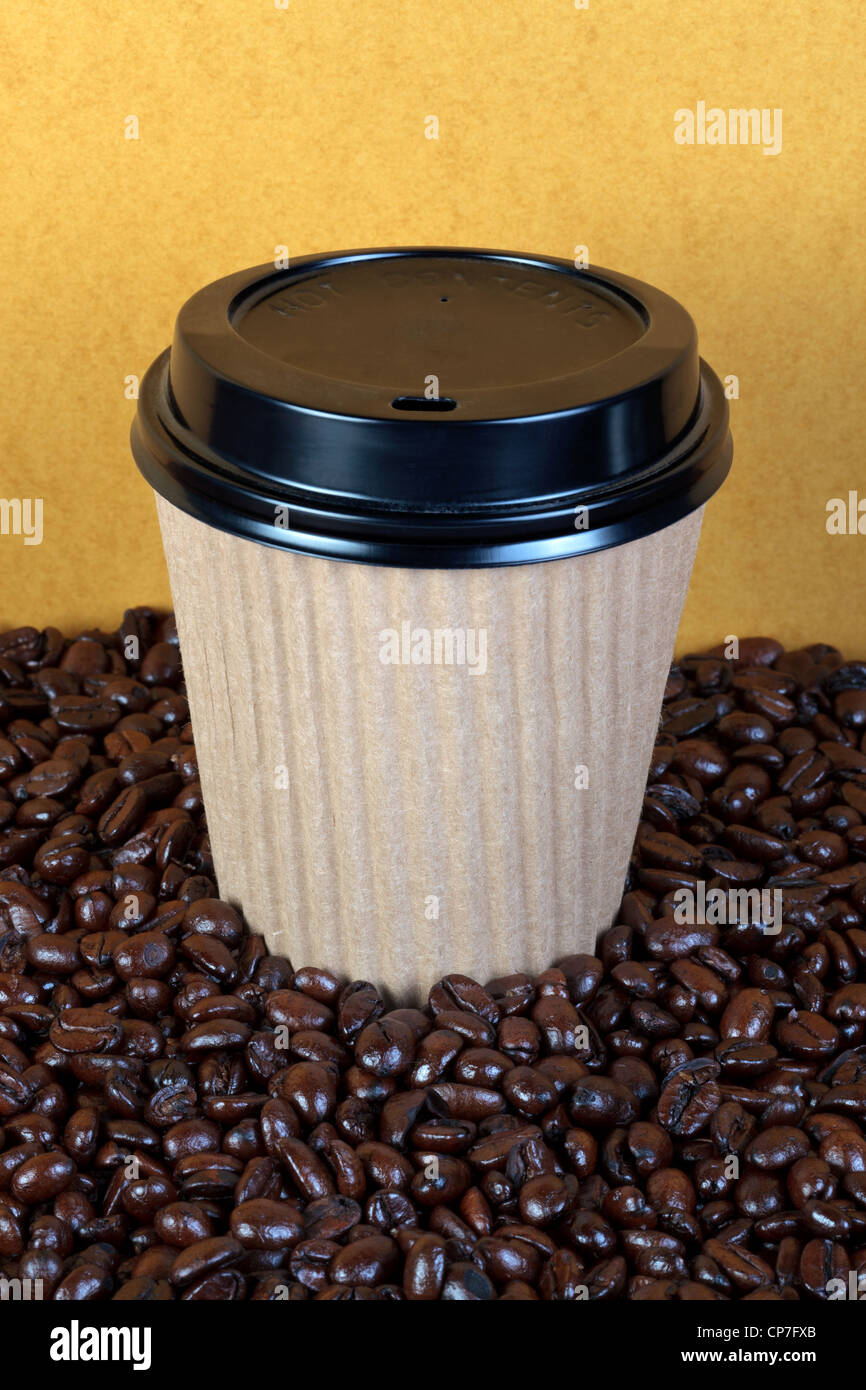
(184, 1116)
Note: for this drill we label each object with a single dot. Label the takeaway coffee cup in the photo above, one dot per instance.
(429, 516)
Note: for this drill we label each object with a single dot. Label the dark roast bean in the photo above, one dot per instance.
(203, 1258)
(183, 1223)
(263, 1224)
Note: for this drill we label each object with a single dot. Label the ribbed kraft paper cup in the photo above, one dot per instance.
(425, 646)
(399, 821)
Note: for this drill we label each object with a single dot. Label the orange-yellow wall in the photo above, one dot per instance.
(305, 126)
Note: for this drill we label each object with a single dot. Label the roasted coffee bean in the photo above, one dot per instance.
(780, 1146)
(123, 816)
(745, 1271)
(367, 1261)
(821, 1262)
(170, 1104)
(143, 1198)
(148, 954)
(606, 1280)
(749, 1015)
(466, 1283)
(442, 1180)
(331, 1218)
(297, 1011)
(181, 1224)
(425, 1268)
(599, 1102)
(451, 1100)
(203, 1258)
(213, 958)
(385, 1047)
(310, 1263)
(687, 1101)
(264, 1224)
(54, 954)
(306, 1171)
(42, 1177)
(460, 992)
(806, 1035)
(85, 1030)
(87, 1282)
(188, 1137)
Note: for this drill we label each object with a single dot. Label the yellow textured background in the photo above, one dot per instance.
(305, 126)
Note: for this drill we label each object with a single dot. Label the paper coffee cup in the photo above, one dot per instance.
(429, 517)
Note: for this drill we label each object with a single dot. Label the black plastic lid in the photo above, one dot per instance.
(434, 407)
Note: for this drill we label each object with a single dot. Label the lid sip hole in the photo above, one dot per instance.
(428, 403)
